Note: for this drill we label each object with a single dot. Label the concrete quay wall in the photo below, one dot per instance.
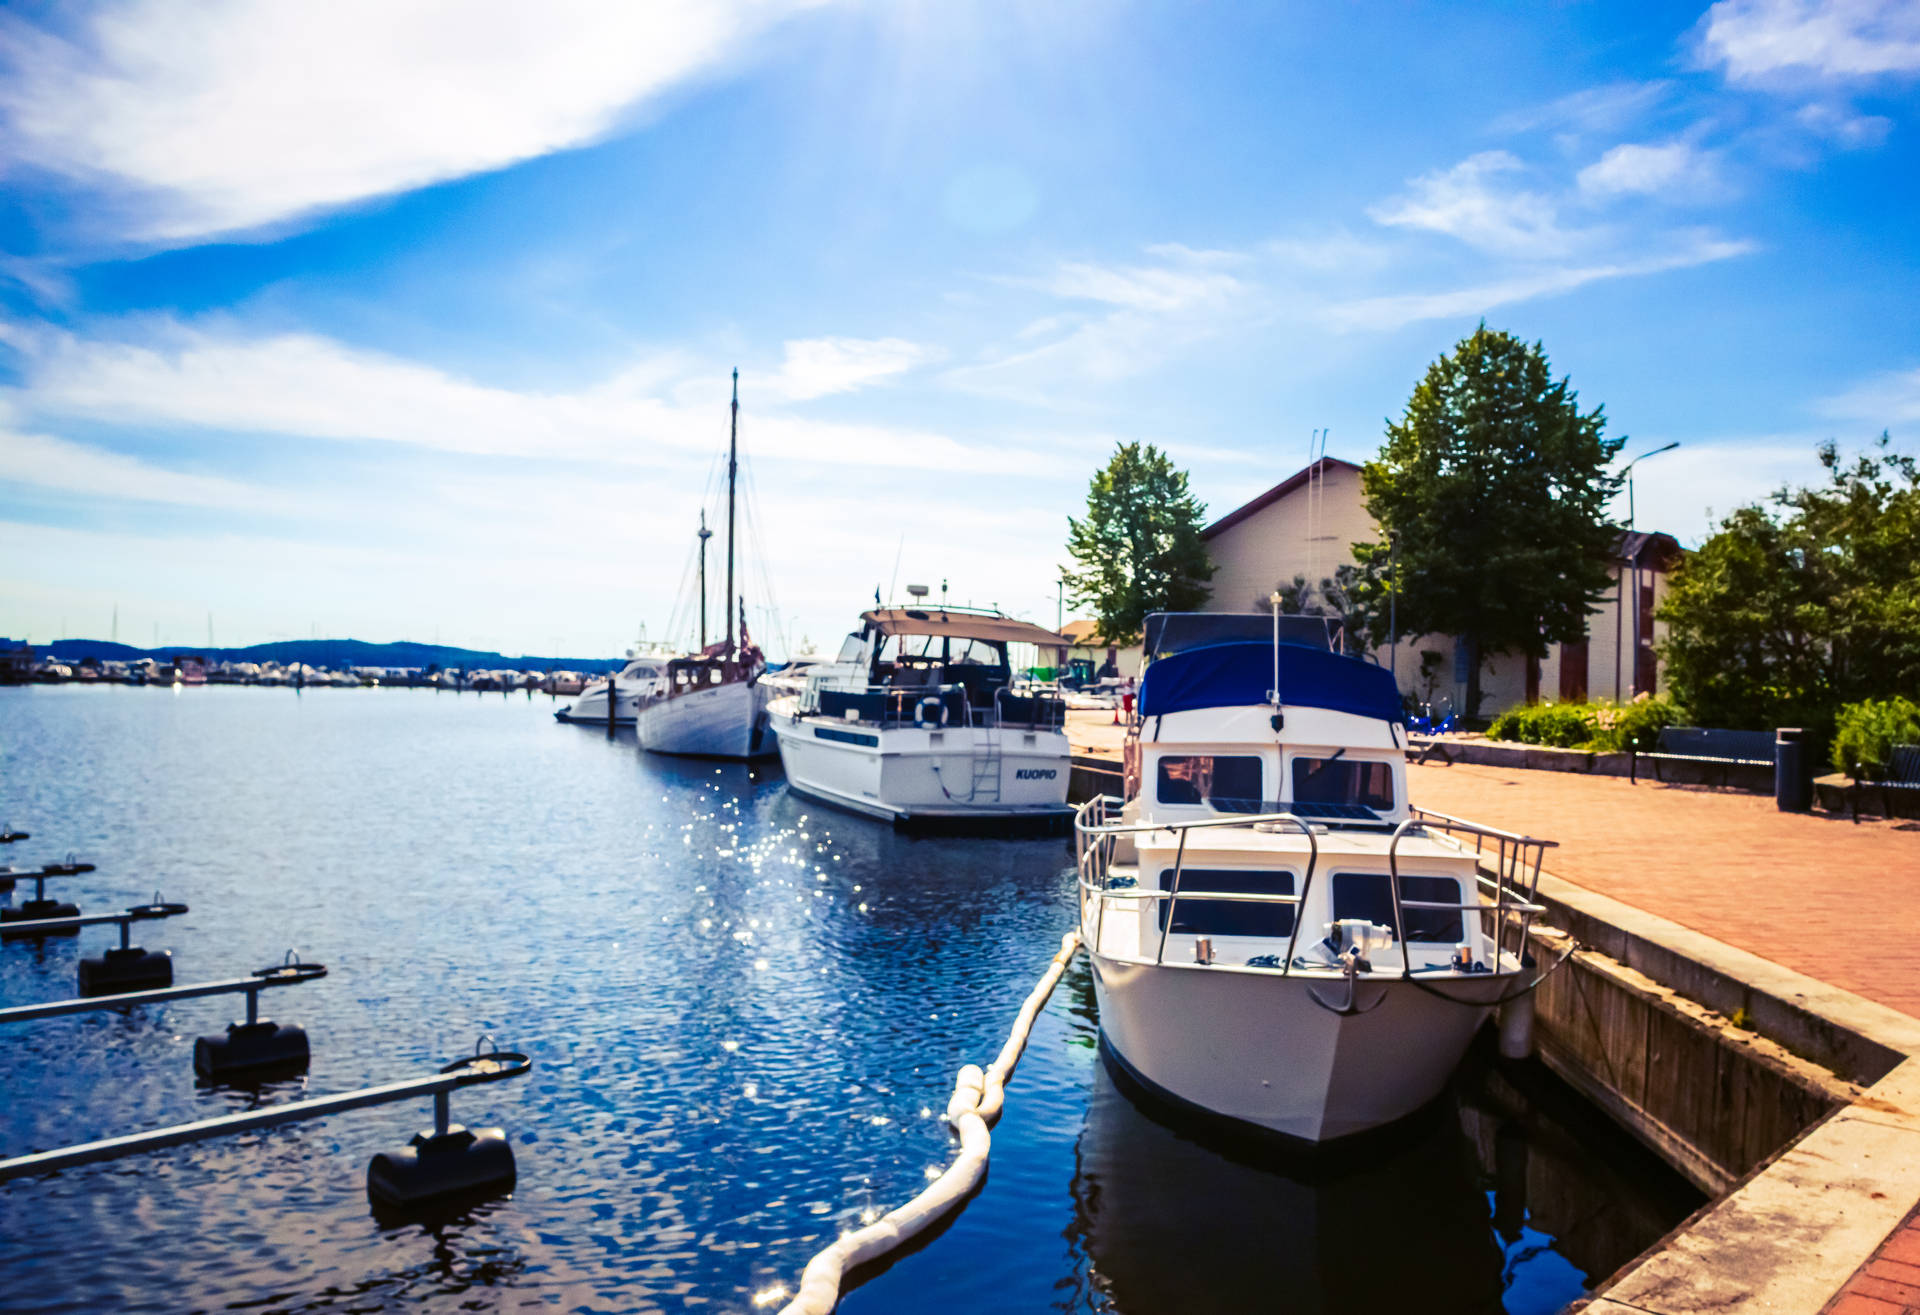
(1803, 1117)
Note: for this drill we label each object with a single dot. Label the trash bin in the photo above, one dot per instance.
(1792, 774)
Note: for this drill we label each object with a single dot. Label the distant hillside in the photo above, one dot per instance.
(333, 654)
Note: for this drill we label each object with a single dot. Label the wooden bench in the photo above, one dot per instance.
(1701, 744)
(1903, 773)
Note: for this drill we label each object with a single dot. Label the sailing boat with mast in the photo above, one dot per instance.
(712, 704)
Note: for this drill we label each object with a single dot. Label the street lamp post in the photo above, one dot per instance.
(1620, 580)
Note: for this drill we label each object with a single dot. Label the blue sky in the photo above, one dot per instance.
(405, 322)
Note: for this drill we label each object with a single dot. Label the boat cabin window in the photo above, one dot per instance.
(1369, 895)
(1218, 779)
(852, 648)
(1213, 917)
(1343, 783)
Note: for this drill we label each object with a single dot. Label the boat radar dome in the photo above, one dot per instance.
(918, 590)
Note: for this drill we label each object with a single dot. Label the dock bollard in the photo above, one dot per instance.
(128, 967)
(41, 910)
(447, 1159)
(257, 1047)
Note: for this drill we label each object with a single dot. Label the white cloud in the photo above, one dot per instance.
(817, 367)
(54, 463)
(659, 411)
(1843, 125)
(1469, 202)
(1391, 312)
(1604, 109)
(229, 115)
(1759, 39)
(1647, 170)
(1888, 399)
(1188, 280)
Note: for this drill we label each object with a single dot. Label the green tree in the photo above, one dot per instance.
(1138, 549)
(1787, 612)
(1495, 485)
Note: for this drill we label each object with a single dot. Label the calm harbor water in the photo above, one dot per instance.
(744, 1012)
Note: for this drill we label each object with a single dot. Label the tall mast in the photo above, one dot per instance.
(733, 466)
(705, 534)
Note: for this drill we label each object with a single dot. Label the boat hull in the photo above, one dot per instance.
(716, 721)
(1256, 1049)
(590, 709)
(903, 774)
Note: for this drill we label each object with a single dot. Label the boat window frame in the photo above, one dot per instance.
(1342, 753)
(1181, 909)
(1160, 781)
(1408, 893)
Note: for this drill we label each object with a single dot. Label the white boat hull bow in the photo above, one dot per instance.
(1270, 1056)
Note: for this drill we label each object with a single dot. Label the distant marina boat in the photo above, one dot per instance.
(712, 704)
(1277, 938)
(917, 718)
(642, 678)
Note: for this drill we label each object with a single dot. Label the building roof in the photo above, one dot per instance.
(1652, 549)
(961, 625)
(1296, 480)
(1085, 634)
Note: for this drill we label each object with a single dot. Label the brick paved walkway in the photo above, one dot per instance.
(1813, 892)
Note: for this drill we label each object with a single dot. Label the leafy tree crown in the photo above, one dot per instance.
(1139, 548)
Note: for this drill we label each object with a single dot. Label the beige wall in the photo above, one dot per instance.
(1275, 543)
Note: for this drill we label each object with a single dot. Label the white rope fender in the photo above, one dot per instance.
(976, 1102)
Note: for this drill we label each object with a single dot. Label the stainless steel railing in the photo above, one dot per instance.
(1096, 839)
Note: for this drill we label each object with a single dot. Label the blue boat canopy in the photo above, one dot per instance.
(1239, 674)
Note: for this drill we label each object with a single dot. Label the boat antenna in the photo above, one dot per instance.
(705, 534)
(733, 469)
(1273, 695)
(895, 578)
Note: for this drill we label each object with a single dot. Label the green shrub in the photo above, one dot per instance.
(1634, 725)
(1506, 726)
(1605, 727)
(1866, 732)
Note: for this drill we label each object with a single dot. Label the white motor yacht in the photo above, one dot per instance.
(641, 679)
(917, 718)
(1277, 938)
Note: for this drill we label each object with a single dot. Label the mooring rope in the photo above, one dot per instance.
(976, 1102)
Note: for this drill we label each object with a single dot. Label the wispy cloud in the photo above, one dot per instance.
(1843, 125)
(1183, 280)
(231, 115)
(1887, 399)
(1605, 109)
(1666, 169)
(166, 374)
(1394, 311)
(1756, 40)
(54, 463)
(817, 367)
(1474, 202)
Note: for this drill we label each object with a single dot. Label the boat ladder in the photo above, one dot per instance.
(986, 766)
